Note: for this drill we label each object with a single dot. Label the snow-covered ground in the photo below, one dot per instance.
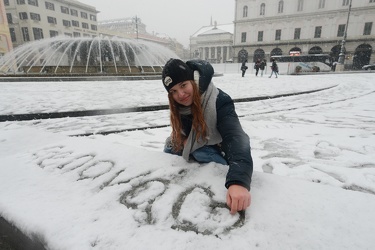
(313, 183)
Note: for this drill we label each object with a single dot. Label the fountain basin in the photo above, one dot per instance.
(68, 57)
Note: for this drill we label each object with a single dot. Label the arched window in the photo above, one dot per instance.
(281, 7)
(316, 50)
(262, 9)
(258, 54)
(295, 49)
(244, 12)
(300, 5)
(242, 55)
(276, 52)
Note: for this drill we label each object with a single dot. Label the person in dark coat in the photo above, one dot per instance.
(274, 68)
(257, 67)
(206, 128)
(243, 68)
(262, 66)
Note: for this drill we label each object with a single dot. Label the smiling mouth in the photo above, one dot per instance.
(185, 99)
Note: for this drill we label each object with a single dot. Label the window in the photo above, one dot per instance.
(75, 23)
(244, 11)
(23, 15)
(341, 30)
(345, 2)
(33, 2)
(278, 35)
(38, 33)
(51, 20)
(34, 16)
(322, 3)
(281, 7)
(260, 36)
(25, 34)
(53, 33)
(297, 33)
(50, 6)
(73, 12)
(318, 32)
(6, 2)
(372, 1)
(262, 9)
(12, 35)
(64, 10)
(19, 2)
(68, 34)
(85, 25)
(367, 29)
(243, 37)
(76, 34)
(9, 18)
(300, 5)
(84, 15)
(94, 27)
(66, 23)
(92, 17)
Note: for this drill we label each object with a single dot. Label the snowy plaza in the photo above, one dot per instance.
(75, 183)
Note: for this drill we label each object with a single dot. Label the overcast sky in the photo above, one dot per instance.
(177, 18)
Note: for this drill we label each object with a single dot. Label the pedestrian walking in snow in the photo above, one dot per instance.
(274, 68)
(243, 68)
(262, 66)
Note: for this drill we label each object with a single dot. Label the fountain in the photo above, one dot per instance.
(66, 56)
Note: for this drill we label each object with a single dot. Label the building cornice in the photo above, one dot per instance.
(79, 5)
(325, 14)
(303, 42)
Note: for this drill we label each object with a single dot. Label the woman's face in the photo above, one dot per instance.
(182, 93)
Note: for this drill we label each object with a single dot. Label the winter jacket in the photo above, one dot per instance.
(257, 65)
(262, 65)
(243, 66)
(235, 143)
(274, 67)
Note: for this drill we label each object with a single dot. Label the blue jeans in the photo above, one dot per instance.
(276, 73)
(204, 154)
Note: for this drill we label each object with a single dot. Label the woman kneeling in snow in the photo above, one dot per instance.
(206, 128)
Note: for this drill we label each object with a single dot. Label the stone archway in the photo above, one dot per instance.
(242, 55)
(335, 52)
(258, 54)
(295, 49)
(316, 50)
(362, 56)
(276, 52)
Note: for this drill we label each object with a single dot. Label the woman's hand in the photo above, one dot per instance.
(238, 198)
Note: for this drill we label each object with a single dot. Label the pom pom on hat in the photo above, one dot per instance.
(176, 71)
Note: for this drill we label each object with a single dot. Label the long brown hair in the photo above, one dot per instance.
(199, 124)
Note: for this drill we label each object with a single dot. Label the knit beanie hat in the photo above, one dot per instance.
(174, 72)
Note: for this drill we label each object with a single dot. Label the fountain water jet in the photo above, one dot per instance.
(83, 56)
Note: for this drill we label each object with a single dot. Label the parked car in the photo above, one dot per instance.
(369, 67)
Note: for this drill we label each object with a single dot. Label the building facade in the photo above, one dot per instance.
(31, 20)
(5, 41)
(133, 28)
(213, 43)
(263, 28)
(123, 27)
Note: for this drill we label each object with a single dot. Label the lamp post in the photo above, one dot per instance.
(136, 25)
(341, 60)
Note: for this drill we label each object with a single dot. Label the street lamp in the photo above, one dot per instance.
(341, 60)
(136, 25)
